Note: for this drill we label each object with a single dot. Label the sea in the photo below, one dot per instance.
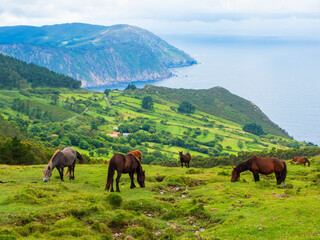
(279, 75)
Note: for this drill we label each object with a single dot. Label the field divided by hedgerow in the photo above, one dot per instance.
(177, 203)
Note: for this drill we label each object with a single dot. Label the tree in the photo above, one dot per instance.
(131, 87)
(147, 102)
(186, 107)
(133, 142)
(253, 128)
(54, 99)
(107, 91)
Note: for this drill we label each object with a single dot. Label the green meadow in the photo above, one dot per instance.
(177, 203)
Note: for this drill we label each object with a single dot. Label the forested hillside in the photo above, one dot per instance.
(16, 74)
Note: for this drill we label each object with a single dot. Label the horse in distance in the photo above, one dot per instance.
(125, 164)
(265, 166)
(60, 159)
(185, 158)
(137, 154)
(301, 160)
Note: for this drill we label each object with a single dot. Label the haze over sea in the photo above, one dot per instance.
(280, 76)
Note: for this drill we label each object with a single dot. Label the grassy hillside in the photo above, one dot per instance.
(175, 204)
(219, 102)
(81, 118)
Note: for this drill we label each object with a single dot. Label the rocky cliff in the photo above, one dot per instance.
(96, 55)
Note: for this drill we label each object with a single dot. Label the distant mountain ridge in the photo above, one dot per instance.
(96, 55)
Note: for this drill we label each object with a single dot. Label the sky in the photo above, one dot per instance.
(284, 18)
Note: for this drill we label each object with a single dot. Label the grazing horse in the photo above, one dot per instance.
(60, 159)
(137, 154)
(301, 160)
(185, 158)
(125, 164)
(265, 166)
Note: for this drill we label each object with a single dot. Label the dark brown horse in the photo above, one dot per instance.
(60, 159)
(185, 158)
(125, 164)
(136, 153)
(265, 166)
(301, 160)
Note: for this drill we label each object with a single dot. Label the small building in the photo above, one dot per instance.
(114, 134)
(125, 135)
(115, 128)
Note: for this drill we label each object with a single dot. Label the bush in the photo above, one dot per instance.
(186, 107)
(253, 128)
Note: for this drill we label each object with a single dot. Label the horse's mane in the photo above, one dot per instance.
(135, 157)
(50, 162)
(243, 166)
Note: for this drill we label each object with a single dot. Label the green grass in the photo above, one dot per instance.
(176, 203)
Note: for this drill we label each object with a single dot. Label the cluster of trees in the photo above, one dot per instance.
(16, 152)
(17, 74)
(34, 112)
(253, 128)
(186, 107)
(147, 103)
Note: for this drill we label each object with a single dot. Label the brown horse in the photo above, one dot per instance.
(60, 159)
(137, 154)
(301, 160)
(265, 166)
(125, 164)
(185, 158)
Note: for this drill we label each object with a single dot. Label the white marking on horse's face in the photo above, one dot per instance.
(47, 174)
(46, 179)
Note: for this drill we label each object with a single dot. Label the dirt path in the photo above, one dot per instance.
(79, 114)
(105, 97)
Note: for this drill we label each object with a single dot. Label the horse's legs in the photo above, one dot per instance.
(181, 164)
(256, 176)
(73, 167)
(111, 185)
(132, 182)
(277, 177)
(61, 173)
(188, 164)
(117, 181)
(70, 169)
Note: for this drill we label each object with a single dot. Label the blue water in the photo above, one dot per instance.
(281, 76)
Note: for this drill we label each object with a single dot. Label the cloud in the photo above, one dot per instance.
(167, 15)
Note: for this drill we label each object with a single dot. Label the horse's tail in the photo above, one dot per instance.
(67, 172)
(283, 174)
(81, 160)
(111, 170)
(308, 162)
